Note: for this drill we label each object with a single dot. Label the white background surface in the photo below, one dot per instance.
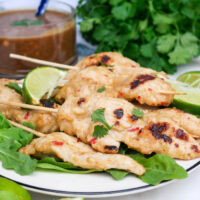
(187, 189)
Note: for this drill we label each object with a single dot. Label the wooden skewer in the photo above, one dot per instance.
(39, 134)
(23, 105)
(172, 92)
(42, 62)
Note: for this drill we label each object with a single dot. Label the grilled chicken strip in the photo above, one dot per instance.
(189, 122)
(155, 132)
(44, 121)
(163, 135)
(86, 82)
(131, 80)
(108, 59)
(79, 154)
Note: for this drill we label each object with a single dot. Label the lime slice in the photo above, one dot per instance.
(78, 198)
(12, 191)
(41, 81)
(189, 102)
(191, 78)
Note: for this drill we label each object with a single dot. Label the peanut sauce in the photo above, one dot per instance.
(50, 37)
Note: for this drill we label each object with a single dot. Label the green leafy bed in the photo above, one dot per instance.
(158, 167)
(158, 34)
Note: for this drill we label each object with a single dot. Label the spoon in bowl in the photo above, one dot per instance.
(41, 8)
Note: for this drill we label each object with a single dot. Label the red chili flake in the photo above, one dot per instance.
(120, 93)
(78, 140)
(176, 145)
(162, 103)
(78, 90)
(26, 116)
(57, 143)
(149, 89)
(133, 66)
(189, 118)
(133, 129)
(93, 141)
(138, 97)
(117, 123)
(106, 75)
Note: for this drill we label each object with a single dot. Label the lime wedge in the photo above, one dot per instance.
(189, 102)
(191, 78)
(41, 81)
(12, 191)
(78, 198)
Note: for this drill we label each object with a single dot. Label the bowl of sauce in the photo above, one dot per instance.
(50, 37)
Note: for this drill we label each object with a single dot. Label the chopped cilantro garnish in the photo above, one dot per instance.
(137, 112)
(98, 116)
(100, 131)
(27, 22)
(102, 89)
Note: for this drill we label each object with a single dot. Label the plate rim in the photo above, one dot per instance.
(99, 194)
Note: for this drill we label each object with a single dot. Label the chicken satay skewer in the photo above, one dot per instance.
(36, 133)
(63, 66)
(43, 62)
(23, 105)
(180, 136)
(79, 154)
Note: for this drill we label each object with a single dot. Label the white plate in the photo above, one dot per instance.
(92, 185)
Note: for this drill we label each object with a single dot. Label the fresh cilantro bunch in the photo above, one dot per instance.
(157, 34)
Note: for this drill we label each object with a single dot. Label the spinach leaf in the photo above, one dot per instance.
(11, 159)
(117, 174)
(4, 123)
(48, 166)
(52, 161)
(159, 168)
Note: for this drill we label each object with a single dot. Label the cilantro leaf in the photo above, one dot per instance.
(100, 131)
(88, 24)
(15, 87)
(165, 43)
(36, 22)
(27, 22)
(123, 11)
(137, 112)
(185, 49)
(102, 89)
(130, 27)
(98, 116)
(159, 18)
(147, 50)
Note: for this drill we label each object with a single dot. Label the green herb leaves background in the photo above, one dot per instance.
(157, 34)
